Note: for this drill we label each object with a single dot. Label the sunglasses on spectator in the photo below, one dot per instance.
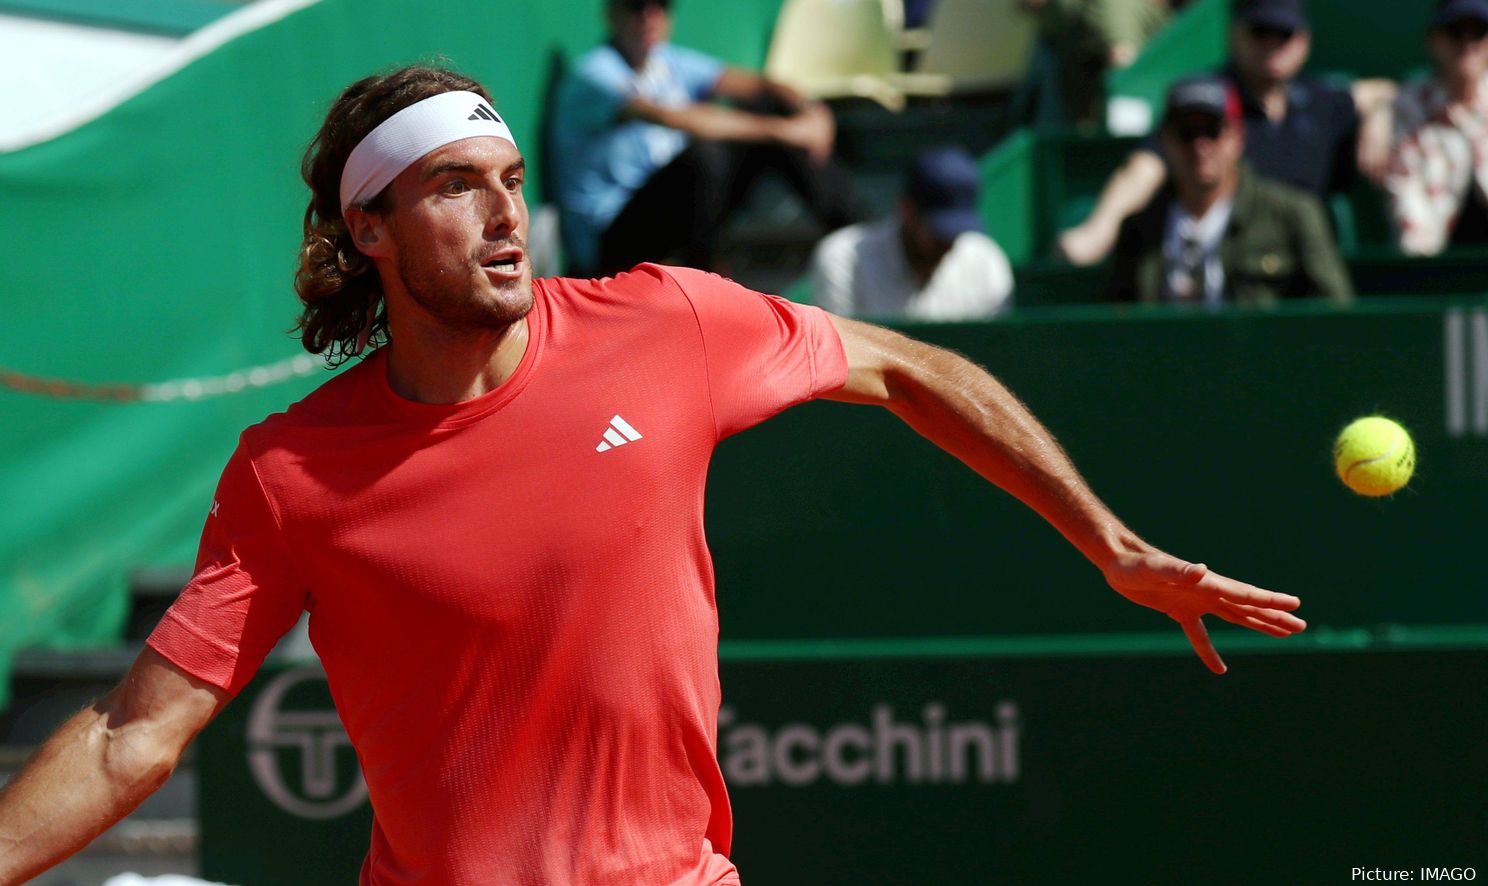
(1192, 130)
(1469, 31)
(1264, 32)
(641, 5)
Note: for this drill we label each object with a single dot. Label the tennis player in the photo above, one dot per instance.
(495, 520)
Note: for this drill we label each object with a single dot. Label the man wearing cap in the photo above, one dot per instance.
(1298, 130)
(647, 168)
(929, 261)
(495, 520)
(1220, 233)
(1438, 175)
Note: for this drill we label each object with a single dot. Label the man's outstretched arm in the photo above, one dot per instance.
(962, 409)
(100, 765)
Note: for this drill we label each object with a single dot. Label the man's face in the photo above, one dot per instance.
(640, 25)
(456, 235)
(1461, 49)
(1204, 149)
(921, 246)
(1269, 54)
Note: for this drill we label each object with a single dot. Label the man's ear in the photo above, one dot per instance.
(368, 231)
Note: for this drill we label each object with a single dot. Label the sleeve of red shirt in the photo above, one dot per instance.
(243, 596)
(764, 353)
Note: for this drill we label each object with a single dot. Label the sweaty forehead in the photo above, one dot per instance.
(482, 153)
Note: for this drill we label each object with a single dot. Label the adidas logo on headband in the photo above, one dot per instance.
(483, 110)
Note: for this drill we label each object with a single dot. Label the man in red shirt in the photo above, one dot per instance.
(496, 523)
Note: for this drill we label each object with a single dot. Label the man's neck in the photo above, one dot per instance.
(921, 266)
(438, 365)
(635, 56)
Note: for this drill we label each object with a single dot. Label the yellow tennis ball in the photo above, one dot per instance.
(1374, 456)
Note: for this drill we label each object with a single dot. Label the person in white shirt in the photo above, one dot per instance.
(931, 260)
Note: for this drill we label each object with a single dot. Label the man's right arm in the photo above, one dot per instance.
(712, 122)
(101, 764)
(1131, 188)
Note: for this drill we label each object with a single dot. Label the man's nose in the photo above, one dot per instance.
(501, 212)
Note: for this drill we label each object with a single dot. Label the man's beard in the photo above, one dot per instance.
(456, 302)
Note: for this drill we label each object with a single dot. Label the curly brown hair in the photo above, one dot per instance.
(339, 287)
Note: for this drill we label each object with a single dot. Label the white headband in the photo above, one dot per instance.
(400, 140)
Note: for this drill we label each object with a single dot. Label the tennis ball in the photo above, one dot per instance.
(1374, 456)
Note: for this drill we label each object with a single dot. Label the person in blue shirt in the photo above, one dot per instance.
(646, 166)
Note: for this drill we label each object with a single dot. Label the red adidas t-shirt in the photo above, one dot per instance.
(512, 596)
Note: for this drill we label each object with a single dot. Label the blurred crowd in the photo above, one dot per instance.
(656, 147)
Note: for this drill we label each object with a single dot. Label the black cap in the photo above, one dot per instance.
(1209, 95)
(1450, 12)
(943, 184)
(1283, 15)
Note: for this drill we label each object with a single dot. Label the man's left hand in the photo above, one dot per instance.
(1188, 591)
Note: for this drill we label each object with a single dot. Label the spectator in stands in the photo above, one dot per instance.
(647, 169)
(928, 261)
(1078, 41)
(1298, 130)
(1438, 176)
(1220, 233)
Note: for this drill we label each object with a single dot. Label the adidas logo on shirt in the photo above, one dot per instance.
(617, 434)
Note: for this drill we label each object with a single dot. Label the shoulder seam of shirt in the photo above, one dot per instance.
(703, 339)
(279, 536)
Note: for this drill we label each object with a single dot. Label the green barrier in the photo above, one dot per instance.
(1009, 196)
(1376, 271)
(988, 761)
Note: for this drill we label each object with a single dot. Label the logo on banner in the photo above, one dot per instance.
(884, 748)
(305, 743)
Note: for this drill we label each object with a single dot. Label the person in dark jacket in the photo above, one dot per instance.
(1218, 233)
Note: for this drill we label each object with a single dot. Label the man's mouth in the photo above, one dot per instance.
(507, 261)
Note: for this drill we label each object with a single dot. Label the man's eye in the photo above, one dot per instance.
(514, 182)
(456, 187)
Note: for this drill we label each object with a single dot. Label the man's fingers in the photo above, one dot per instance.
(1285, 621)
(1240, 592)
(1251, 622)
(1198, 637)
